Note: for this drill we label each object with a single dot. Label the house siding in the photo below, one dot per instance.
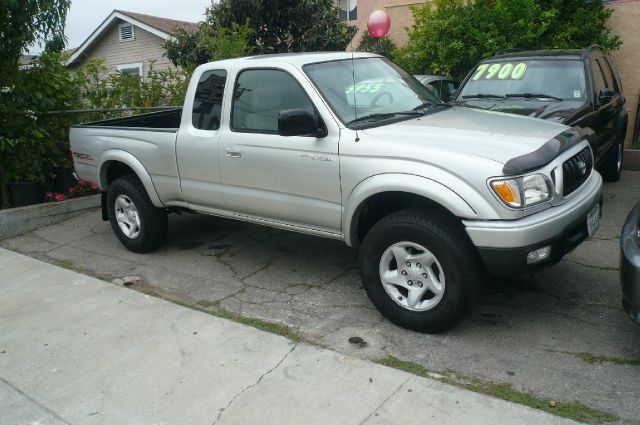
(624, 22)
(146, 48)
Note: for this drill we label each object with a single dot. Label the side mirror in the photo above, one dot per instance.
(605, 96)
(300, 122)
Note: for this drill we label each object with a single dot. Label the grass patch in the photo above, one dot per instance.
(572, 410)
(70, 265)
(214, 308)
(594, 359)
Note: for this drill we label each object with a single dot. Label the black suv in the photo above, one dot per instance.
(573, 87)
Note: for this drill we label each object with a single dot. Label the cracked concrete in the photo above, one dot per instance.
(76, 350)
(517, 334)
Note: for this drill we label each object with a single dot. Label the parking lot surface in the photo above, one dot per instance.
(561, 335)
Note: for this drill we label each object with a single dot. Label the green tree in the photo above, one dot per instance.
(25, 22)
(190, 49)
(274, 26)
(382, 46)
(450, 36)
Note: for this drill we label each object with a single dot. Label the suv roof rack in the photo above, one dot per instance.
(510, 50)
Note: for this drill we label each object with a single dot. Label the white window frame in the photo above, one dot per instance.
(133, 32)
(138, 65)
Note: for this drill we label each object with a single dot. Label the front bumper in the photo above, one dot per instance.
(630, 264)
(504, 244)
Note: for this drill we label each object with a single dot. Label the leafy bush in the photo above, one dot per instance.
(34, 142)
(450, 36)
(104, 89)
(31, 144)
(382, 46)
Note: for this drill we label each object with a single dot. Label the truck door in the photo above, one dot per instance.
(198, 143)
(284, 180)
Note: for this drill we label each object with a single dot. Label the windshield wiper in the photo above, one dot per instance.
(430, 105)
(533, 95)
(382, 116)
(483, 96)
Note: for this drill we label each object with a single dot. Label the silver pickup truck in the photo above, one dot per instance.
(353, 148)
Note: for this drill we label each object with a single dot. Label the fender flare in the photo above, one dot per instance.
(409, 183)
(133, 163)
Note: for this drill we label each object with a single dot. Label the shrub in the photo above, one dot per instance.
(382, 46)
(31, 144)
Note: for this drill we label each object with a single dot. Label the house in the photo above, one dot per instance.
(129, 42)
(623, 22)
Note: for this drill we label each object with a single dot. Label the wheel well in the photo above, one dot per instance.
(381, 205)
(117, 169)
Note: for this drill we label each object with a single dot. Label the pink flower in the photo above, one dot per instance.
(59, 197)
(48, 195)
(71, 189)
(82, 182)
(94, 186)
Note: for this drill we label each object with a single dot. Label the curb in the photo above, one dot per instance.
(15, 221)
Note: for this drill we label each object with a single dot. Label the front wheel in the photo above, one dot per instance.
(139, 225)
(420, 270)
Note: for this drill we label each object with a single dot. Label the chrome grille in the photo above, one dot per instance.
(576, 170)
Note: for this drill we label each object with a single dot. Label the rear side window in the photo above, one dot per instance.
(616, 77)
(260, 95)
(207, 103)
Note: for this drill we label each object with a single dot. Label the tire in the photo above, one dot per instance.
(612, 167)
(453, 279)
(140, 226)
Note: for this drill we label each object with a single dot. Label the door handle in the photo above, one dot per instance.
(234, 152)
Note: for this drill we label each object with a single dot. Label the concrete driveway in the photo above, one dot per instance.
(561, 335)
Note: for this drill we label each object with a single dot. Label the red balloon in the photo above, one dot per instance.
(379, 23)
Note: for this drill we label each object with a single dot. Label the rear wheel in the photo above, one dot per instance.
(420, 270)
(139, 225)
(612, 169)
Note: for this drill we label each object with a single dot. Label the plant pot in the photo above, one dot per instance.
(64, 180)
(26, 193)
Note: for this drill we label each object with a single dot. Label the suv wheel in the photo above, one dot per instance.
(420, 270)
(140, 226)
(612, 168)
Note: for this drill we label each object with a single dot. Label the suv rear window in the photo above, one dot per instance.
(564, 79)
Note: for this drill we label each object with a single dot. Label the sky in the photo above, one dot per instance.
(85, 15)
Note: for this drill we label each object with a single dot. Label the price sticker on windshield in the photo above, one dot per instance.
(500, 71)
(365, 88)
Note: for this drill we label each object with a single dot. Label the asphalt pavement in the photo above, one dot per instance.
(77, 350)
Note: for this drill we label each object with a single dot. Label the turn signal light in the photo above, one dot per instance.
(508, 191)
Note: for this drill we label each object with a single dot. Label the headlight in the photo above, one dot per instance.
(523, 191)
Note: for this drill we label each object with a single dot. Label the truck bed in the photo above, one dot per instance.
(160, 121)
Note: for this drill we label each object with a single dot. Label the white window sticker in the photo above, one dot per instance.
(576, 93)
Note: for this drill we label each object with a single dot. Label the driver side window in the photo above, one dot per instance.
(259, 97)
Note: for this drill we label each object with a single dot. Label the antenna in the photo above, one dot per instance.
(353, 71)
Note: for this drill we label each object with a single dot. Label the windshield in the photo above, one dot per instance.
(382, 91)
(551, 80)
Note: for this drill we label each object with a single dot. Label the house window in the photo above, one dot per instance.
(348, 10)
(126, 32)
(131, 69)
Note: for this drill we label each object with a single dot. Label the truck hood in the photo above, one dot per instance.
(560, 112)
(493, 135)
